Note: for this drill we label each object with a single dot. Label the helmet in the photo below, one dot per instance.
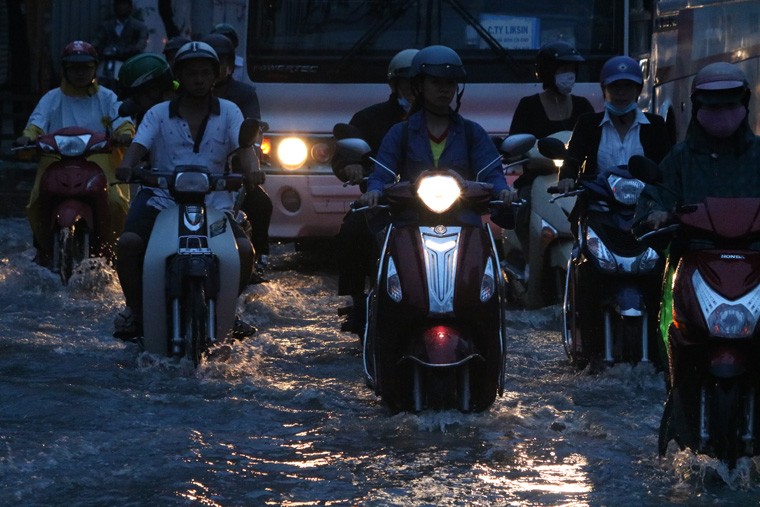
(438, 61)
(228, 31)
(144, 70)
(221, 44)
(401, 64)
(720, 83)
(175, 43)
(551, 56)
(619, 68)
(79, 52)
(196, 51)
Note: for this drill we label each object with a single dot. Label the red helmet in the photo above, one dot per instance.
(79, 51)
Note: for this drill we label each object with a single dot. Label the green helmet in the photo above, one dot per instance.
(145, 70)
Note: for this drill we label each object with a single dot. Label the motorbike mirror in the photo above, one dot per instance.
(353, 148)
(345, 130)
(644, 169)
(517, 144)
(249, 131)
(552, 148)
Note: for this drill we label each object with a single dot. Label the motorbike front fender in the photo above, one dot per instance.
(69, 211)
(442, 346)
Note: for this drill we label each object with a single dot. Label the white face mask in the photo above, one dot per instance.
(565, 82)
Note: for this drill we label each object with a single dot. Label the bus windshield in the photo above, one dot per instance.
(351, 41)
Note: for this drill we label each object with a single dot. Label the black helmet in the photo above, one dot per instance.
(438, 61)
(720, 83)
(228, 31)
(221, 44)
(196, 51)
(550, 57)
(175, 43)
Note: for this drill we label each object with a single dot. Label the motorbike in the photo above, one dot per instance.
(191, 271)
(74, 194)
(435, 334)
(537, 270)
(613, 282)
(713, 338)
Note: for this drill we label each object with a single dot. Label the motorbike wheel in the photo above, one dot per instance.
(726, 410)
(72, 246)
(195, 332)
(570, 322)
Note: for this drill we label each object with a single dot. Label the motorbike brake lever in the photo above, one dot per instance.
(662, 230)
(571, 193)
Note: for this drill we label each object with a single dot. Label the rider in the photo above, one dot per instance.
(372, 124)
(172, 46)
(78, 102)
(257, 204)
(229, 31)
(195, 128)
(434, 134)
(553, 110)
(720, 157)
(123, 35)
(146, 79)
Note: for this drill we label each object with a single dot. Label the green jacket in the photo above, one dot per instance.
(702, 166)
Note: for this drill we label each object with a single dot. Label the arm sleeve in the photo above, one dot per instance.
(389, 155)
(521, 118)
(576, 152)
(41, 114)
(488, 163)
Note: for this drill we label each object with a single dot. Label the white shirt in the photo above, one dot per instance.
(166, 135)
(55, 110)
(238, 74)
(614, 151)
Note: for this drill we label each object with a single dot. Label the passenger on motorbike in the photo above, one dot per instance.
(356, 246)
(172, 46)
(257, 204)
(195, 128)
(80, 101)
(146, 79)
(553, 110)
(610, 138)
(720, 157)
(435, 135)
(229, 31)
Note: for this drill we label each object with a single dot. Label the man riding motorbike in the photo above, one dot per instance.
(195, 128)
(80, 101)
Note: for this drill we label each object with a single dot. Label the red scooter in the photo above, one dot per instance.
(714, 340)
(74, 194)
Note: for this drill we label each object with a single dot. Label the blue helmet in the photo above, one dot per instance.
(619, 68)
(438, 61)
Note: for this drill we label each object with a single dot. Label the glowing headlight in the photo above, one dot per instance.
(292, 153)
(439, 193)
(488, 285)
(393, 282)
(725, 318)
(625, 190)
(600, 252)
(72, 146)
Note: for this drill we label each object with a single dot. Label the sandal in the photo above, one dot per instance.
(126, 326)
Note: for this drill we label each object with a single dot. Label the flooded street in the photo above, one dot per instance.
(287, 420)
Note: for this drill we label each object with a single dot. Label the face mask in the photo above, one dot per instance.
(722, 122)
(405, 104)
(619, 111)
(565, 82)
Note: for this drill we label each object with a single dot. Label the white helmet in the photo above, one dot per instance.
(401, 64)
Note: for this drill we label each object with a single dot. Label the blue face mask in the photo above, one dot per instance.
(619, 111)
(405, 104)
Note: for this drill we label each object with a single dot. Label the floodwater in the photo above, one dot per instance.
(287, 420)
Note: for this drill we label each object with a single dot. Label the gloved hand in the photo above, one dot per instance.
(565, 185)
(657, 219)
(370, 198)
(508, 196)
(354, 173)
(123, 173)
(22, 141)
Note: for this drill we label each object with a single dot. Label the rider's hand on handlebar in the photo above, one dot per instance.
(565, 185)
(508, 196)
(124, 139)
(657, 219)
(354, 173)
(370, 198)
(23, 141)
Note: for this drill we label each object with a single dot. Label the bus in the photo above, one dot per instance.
(685, 36)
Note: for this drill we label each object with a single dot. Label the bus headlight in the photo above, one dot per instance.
(292, 153)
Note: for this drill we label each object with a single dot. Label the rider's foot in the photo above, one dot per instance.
(126, 326)
(241, 329)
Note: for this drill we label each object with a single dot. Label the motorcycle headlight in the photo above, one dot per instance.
(192, 182)
(439, 192)
(726, 318)
(647, 261)
(393, 284)
(488, 285)
(72, 146)
(292, 153)
(625, 190)
(604, 258)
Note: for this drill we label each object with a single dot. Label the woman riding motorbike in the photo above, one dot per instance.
(80, 101)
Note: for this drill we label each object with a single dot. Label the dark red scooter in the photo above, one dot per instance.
(74, 194)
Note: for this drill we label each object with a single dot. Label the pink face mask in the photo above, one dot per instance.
(721, 122)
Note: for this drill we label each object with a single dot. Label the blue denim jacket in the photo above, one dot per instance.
(479, 163)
